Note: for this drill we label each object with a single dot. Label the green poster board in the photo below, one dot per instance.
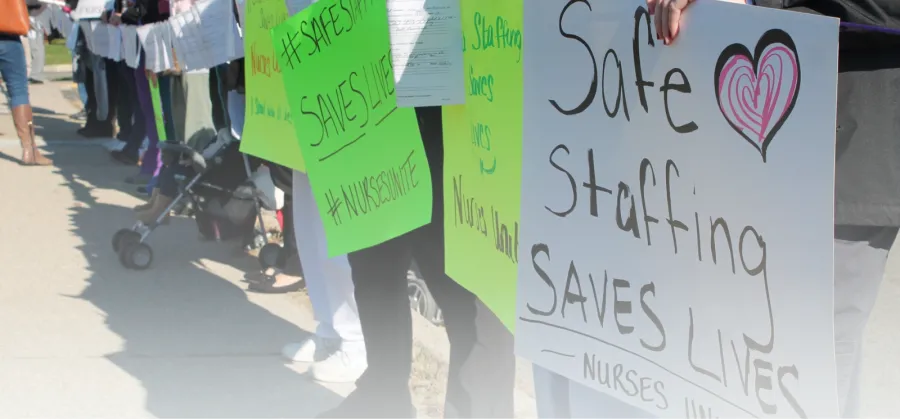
(364, 155)
(483, 157)
(157, 110)
(268, 131)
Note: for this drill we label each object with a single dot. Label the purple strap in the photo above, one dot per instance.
(870, 28)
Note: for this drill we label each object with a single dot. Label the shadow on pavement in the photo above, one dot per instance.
(196, 343)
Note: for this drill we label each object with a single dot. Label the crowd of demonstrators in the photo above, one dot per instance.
(360, 299)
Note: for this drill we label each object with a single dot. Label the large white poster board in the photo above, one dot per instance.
(677, 201)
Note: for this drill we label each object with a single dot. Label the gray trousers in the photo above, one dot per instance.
(36, 48)
(101, 89)
(860, 257)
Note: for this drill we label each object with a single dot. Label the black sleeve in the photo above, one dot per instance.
(883, 13)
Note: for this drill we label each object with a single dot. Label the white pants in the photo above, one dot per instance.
(328, 280)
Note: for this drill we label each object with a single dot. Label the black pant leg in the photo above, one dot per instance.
(91, 106)
(216, 100)
(481, 376)
(379, 278)
(112, 89)
(126, 99)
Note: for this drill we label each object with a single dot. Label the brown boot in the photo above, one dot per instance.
(149, 204)
(31, 156)
(149, 215)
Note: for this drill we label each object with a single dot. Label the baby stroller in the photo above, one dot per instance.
(225, 203)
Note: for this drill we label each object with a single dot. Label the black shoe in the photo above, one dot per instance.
(35, 81)
(123, 157)
(80, 116)
(265, 283)
(91, 132)
(361, 405)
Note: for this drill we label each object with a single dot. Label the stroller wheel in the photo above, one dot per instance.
(260, 240)
(124, 236)
(136, 255)
(270, 255)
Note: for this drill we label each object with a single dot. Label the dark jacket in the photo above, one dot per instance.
(867, 158)
(142, 12)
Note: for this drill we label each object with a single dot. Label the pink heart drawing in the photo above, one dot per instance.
(757, 92)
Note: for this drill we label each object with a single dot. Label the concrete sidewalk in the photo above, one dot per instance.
(83, 337)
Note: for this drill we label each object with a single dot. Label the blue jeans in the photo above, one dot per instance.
(13, 70)
(82, 93)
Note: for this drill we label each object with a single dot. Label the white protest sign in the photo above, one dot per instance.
(677, 223)
(90, 9)
(427, 52)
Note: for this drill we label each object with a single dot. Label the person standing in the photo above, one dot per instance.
(143, 12)
(37, 33)
(867, 163)
(481, 376)
(15, 75)
(337, 351)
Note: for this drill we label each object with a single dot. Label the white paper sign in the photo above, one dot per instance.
(677, 225)
(426, 46)
(188, 42)
(131, 45)
(89, 9)
(156, 42)
(216, 18)
(115, 42)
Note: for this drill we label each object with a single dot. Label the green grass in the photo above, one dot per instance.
(57, 53)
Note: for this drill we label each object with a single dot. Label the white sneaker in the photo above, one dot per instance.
(344, 365)
(114, 145)
(302, 352)
(144, 146)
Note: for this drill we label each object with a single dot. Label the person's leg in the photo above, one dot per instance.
(91, 106)
(165, 96)
(130, 154)
(179, 109)
(380, 288)
(481, 376)
(482, 366)
(219, 112)
(124, 95)
(163, 194)
(4, 99)
(101, 90)
(151, 162)
(551, 394)
(112, 94)
(82, 93)
(198, 108)
(26, 44)
(330, 286)
(14, 74)
(860, 255)
(36, 46)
